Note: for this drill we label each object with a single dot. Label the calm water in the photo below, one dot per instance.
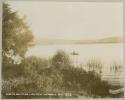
(106, 53)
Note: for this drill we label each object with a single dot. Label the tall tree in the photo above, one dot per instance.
(16, 35)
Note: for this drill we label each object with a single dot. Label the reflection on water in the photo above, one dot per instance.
(105, 53)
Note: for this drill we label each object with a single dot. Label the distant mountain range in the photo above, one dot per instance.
(94, 41)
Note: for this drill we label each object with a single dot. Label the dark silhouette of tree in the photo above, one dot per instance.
(60, 59)
(16, 35)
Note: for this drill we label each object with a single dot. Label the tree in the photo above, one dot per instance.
(16, 38)
(16, 35)
(60, 59)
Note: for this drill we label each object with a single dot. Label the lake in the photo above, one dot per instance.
(105, 53)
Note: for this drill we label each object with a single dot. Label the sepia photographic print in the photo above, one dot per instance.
(62, 50)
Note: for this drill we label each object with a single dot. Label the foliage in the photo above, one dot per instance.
(16, 35)
(41, 77)
(60, 60)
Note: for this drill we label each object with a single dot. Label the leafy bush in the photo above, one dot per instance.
(47, 76)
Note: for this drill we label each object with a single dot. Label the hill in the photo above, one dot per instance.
(61, 41)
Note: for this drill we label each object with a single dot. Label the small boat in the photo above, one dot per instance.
(74, 53)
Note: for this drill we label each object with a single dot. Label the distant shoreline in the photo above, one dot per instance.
(109, 40)
(75, 43)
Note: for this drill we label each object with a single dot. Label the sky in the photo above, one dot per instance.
(71, 20)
